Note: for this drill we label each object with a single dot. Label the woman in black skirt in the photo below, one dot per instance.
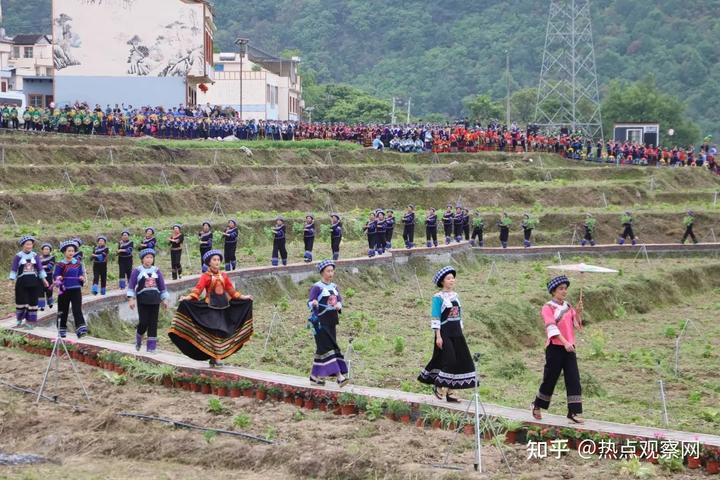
(176, 243)
(218, 325)
(451, 366)
(325, 305)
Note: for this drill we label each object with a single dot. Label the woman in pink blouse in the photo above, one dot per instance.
(561, 320)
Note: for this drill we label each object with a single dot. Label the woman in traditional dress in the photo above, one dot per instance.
(451, 366)
(176, 243)
(30, 278)
(325, 305)
(147, 292)
(561, 320)
(220, 324)
(69, 278)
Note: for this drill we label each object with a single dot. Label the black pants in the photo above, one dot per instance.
(559, 360)
(371, 242)
(504, 234)
(588, 235)
(230, 256)
(27, 293)
(527, 233)
(448, 228)
(148, 319)
(431, 235)
(335, 247)
(477, 233)
(380, 241)
(466, 232)
(125, 269)
(388, 236)
(70, 298)
(458, 231)
(100, 274)
(689, 233)
(409, 235)
(309, 244)
(176, 263)
(279, 248)
(628, 232)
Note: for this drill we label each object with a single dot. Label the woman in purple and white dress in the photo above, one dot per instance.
(325, 305)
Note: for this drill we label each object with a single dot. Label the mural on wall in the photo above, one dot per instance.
(163, 38)
(65, 43)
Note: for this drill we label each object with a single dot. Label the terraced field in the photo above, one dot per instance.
(633, 318)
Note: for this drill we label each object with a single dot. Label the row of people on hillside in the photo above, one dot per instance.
(214, 321)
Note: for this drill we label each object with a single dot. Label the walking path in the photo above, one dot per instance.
(399, 256)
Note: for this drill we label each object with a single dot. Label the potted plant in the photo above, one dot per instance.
(435, 416)
(299, 398)
(361, 403)
(309, 402)
(711, 456)
(400, 410)
(222, 389)
(347, 403)
(235, 390)
(515, 431)
(247, 388)
(205, 385)
(289, 395)
(261, 392)
(275, 392)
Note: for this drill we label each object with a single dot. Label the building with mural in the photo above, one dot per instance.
(136, 52)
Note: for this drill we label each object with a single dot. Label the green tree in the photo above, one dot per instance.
(522, 105)
(642, 101)
(481, 108)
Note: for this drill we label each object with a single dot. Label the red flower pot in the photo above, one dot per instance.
(289, 400)
(469, 429)
(337, 410)
(180, 385)
(487, 434)
(167, 382)
(205, 389)
(436, 424)
(693, 463)
(510, 437)
(261, 395)
(235, 392)
(348, 409)
(405, 419)
(712, 467)
(299, 401)
(196, 387)
(222, 391)
(249, 393)
(309, 404)
(322, 407)
(420, 422)
(452, 427)
(390, 416)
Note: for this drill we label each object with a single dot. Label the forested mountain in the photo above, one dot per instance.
(439, 53)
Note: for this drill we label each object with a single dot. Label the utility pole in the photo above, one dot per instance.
(392, 115)
(242, 49)
(507, 78)
(408, 111)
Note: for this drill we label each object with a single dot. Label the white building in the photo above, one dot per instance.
(32, 70)
(136, 52)
(271, 86)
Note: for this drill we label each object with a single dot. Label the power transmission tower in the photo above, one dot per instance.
(568, 95)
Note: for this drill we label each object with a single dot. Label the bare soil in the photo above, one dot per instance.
(96, 443)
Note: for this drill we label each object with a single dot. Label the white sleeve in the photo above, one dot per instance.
(552, 331)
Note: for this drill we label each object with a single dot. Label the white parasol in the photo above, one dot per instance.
(582, 268)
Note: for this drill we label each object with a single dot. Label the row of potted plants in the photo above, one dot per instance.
(351, 404)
